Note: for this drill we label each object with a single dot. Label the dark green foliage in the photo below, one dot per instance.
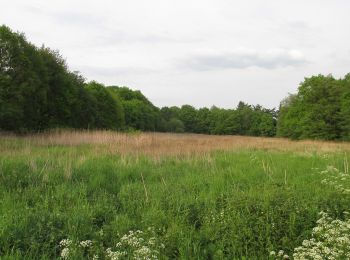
(23, 95)
(188, 115)
(68, 104)
(203, 124)
(245, 120)
(37, 91)
(140, 113)
(319, 110)
(345, 108)
(170, 121)
(108, 109)
(175, 125)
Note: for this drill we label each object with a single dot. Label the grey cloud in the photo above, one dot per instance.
(110, 37)
(106, 34)
(242, 59)
(77, 18)
(67, 17)
(114, 36)
(112, 71)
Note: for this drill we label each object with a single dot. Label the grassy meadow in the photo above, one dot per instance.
(108, 195)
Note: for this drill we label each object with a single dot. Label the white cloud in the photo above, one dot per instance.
(245, 58)
(201, 52)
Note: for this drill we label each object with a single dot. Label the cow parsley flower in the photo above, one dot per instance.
(65, 253)
(86, 243)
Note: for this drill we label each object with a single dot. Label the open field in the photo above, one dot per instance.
(165, 196)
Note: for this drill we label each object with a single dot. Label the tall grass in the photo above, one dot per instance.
(205, 197)
(160, 144)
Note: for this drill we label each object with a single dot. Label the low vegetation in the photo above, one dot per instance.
(90, 192)
(106, 195)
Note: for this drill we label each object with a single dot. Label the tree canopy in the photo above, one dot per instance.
(320, 110)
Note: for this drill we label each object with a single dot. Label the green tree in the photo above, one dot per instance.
(108, 112)
(345, 108)
(314, 112)
(188, 115)
(22, 91)
(139, 112)
(175, 125)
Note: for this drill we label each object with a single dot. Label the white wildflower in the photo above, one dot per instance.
(115, 255)
(65, 253)
(65, 242)
(86, 243)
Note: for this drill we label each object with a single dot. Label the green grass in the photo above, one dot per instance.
(226, 205)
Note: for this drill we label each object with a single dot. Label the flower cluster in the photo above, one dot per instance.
(335, 179)
(86, 243)
(65, 253)
(135, 245)
(68, 247)
(279, 255)
(115, 255)
(65, 245)
(330, 240)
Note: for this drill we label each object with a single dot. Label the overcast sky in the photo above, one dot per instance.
(204, 53)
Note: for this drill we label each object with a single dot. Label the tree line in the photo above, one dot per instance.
(320, 110)
(39, 92)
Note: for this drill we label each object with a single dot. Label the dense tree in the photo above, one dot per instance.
(288, 118)
(315, 112)
(345, 108)
(188, 115)
(69, 104)
(22, 92)
(37, 91)
(170, 121)
(168, 113)
(139, 112)
(108, 110)
(203, 124)
(175, 125)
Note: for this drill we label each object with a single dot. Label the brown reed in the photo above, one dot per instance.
(160, 144)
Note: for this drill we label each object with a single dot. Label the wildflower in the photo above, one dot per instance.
(115, 255)
(65, 243)
(65, 253)
(86, 243)
(143, 253)
(331, 240)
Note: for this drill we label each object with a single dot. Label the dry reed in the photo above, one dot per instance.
(160, 144)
